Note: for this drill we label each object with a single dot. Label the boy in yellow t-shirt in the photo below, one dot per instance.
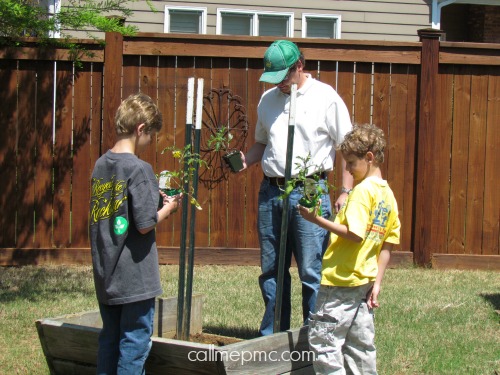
(341, 331)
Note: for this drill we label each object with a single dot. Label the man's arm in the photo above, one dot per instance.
(254, 155)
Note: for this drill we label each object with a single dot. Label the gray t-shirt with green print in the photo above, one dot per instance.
(124, 198)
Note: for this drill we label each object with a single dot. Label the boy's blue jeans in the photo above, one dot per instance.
(125, 339)
(305, 240)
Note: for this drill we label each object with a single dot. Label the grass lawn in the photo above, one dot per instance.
(429, 322)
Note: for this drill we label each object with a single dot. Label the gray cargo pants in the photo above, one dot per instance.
(342, 333)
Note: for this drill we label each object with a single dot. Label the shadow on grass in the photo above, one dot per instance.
(493, 299)
(239, 332)
(40, 283)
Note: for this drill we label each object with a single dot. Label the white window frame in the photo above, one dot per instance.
(337, 17)
(166, 26)
(255, 19)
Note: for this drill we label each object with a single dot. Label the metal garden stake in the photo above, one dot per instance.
(284, 219)
(189, 281)
(182, 252)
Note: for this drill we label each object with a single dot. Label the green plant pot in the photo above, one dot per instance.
(233, 159)
(170, 193)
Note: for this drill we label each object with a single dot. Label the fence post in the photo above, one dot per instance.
(113, 61)
(422, 239)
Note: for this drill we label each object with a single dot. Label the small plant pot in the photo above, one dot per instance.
(169, 193)
(233, 159)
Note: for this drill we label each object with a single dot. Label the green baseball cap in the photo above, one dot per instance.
(279, 57)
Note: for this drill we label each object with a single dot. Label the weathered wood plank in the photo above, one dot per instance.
(425, 196)
(148, 84)
(8, 151)
(72, 368)
(253, 176)
(491, 222)
(237, 215)
(82, 157)
(63, 162)
(411, 130)
(442, 139)
(460, 154)
(167, 255)
(112, 82)
(404, 53)
(219, 198)
(475, 163)
(268, 354)
(363, 93)
(24, 195)
(203, 70)
(469, 54)
(44, 161)
(466, 262)
(166, 137)
(52, 54)
(399, 161)
(164, 322)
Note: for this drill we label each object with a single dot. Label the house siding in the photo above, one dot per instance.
(390, 20)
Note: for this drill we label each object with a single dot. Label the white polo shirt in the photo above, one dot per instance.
(321, 122)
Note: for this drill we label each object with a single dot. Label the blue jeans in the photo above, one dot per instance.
(305, 240)
(125, 339)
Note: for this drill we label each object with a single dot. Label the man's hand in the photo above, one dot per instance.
(340, 201)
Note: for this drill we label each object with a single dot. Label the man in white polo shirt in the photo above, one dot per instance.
(322, 120)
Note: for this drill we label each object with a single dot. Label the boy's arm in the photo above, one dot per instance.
(383, 260)
(339, 229)
(170, 205)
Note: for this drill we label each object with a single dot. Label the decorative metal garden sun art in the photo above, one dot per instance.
(225, 128)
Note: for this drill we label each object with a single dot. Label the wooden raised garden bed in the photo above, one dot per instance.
(70, 347)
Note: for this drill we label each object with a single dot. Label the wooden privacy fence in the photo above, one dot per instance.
(438, 103)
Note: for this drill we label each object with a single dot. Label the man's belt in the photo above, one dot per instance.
(280, 181)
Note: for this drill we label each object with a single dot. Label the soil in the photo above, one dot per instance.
(208, 338)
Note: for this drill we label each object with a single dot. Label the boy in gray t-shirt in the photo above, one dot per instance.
(123, 215)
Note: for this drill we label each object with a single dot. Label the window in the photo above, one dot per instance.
(185, 20)
(254, 23)
(321, 26)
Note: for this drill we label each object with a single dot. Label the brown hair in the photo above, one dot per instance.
(135, 110)
(364, 138)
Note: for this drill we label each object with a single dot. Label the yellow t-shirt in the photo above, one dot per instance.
(371, 212)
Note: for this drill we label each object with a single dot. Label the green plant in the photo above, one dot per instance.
(310, 184)
(220, 140)
(177, 179)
